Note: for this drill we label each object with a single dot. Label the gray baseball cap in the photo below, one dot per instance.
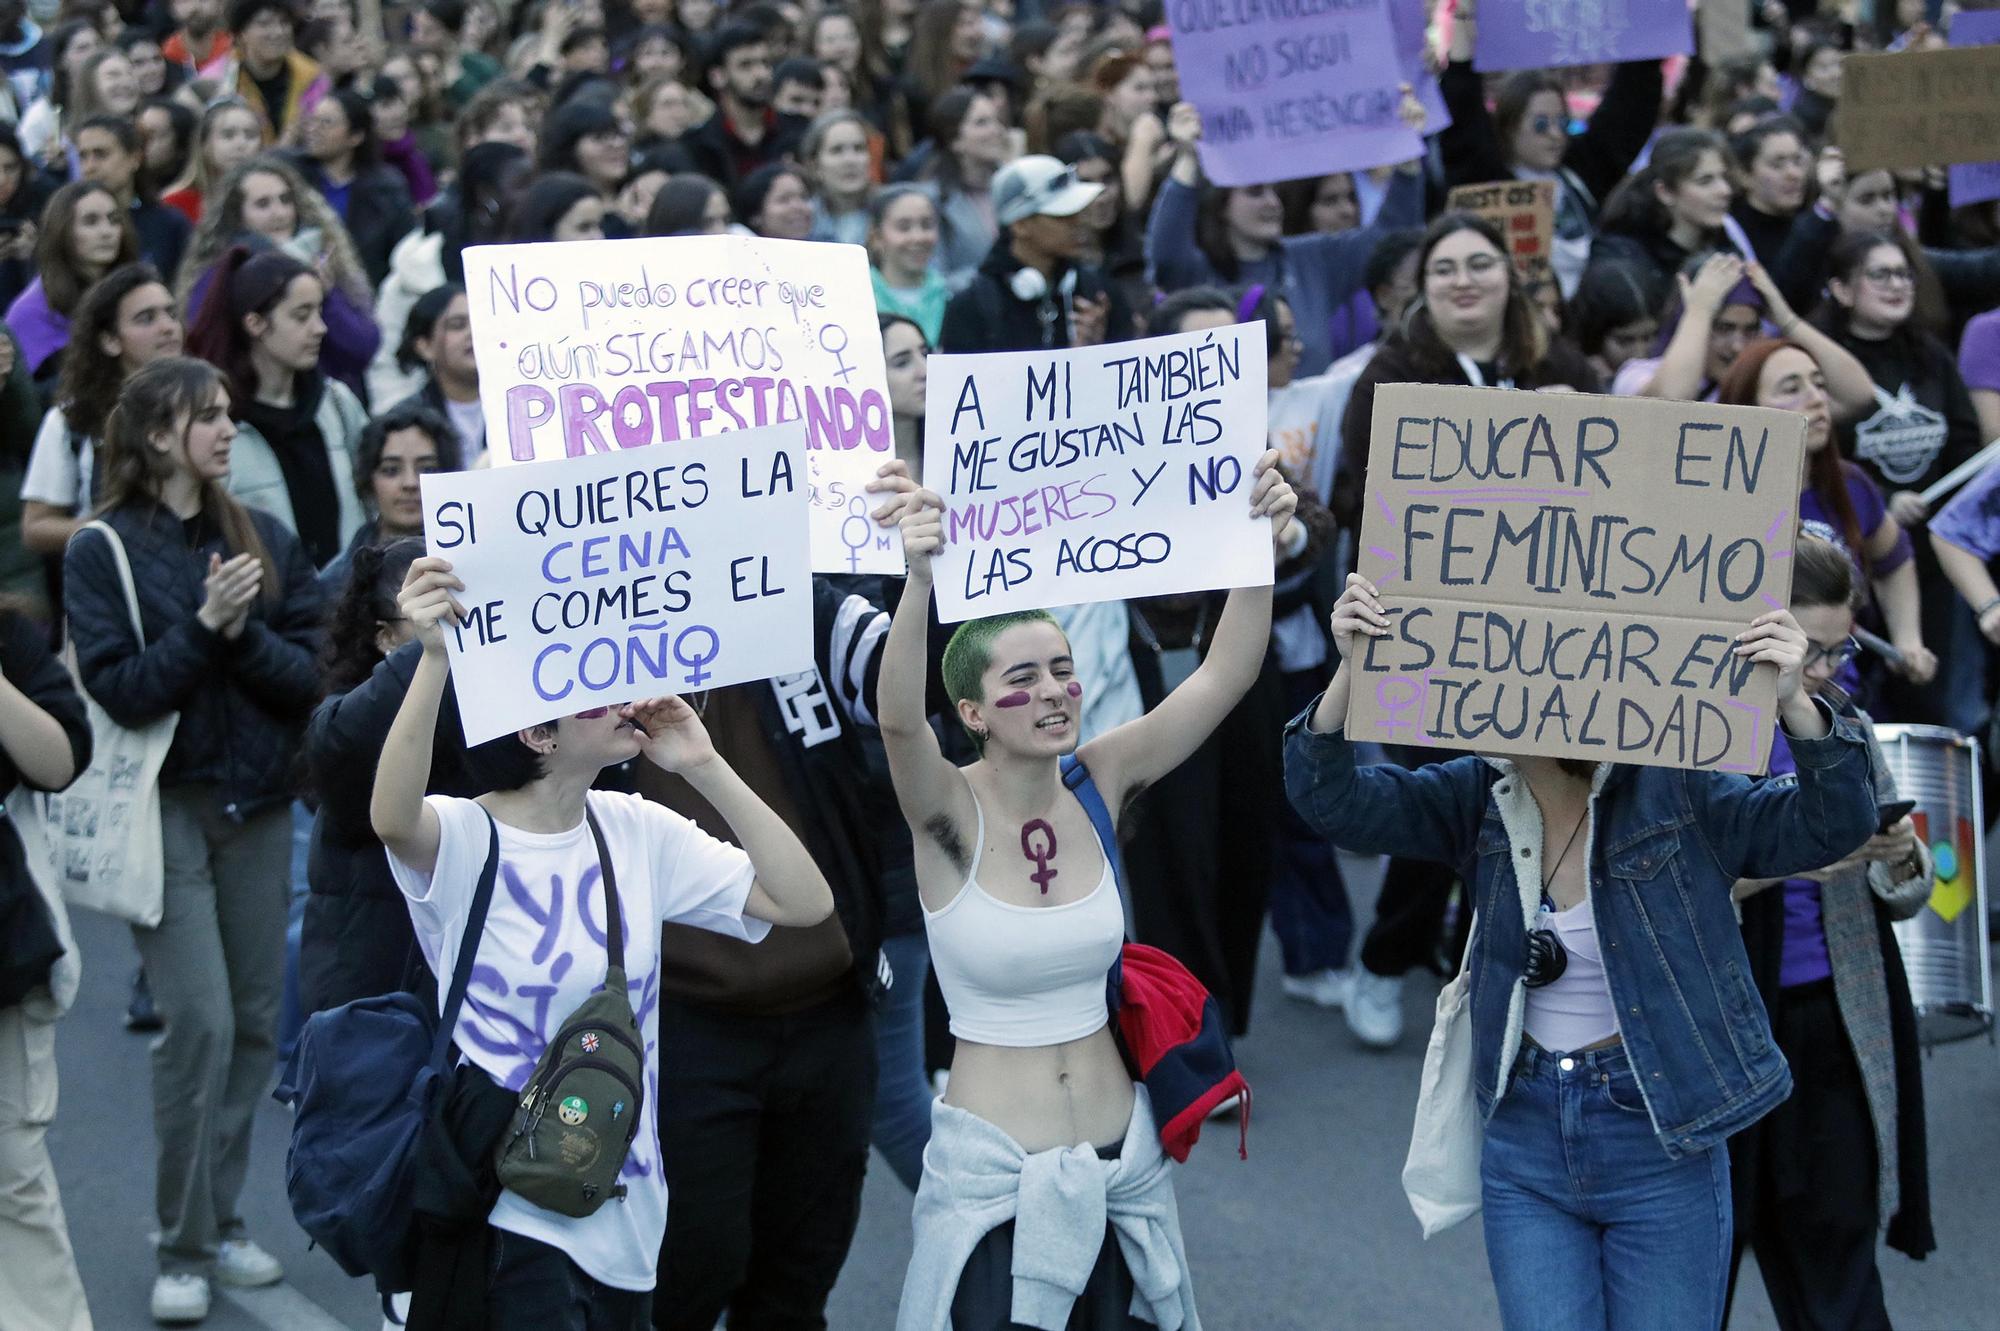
(1039, 185)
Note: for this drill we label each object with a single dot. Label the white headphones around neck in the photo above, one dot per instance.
(1029, 284)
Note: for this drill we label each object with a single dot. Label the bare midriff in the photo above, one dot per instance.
(1072, 1094)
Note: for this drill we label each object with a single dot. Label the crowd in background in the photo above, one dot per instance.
(251, 219)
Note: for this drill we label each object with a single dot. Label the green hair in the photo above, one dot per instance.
(969, 654)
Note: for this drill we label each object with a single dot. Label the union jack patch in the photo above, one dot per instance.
(589, 1042)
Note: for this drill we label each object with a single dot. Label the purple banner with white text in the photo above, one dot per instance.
(1544, 34)
(1293, 88)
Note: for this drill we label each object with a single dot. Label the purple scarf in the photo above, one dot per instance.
(36, 326)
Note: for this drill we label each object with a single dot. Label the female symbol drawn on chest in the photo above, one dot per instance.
(1038, 843)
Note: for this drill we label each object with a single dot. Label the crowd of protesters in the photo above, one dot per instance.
(237, 336)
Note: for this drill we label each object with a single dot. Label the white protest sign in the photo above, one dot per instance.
(1099, 473)
(589, 347)
(625, 575)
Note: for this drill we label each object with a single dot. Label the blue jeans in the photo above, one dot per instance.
(903, 1093)
(1590, 1226)
(1309, 909)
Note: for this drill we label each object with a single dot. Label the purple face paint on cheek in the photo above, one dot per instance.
(591, 713)
(1075, 689)
(1018, 698)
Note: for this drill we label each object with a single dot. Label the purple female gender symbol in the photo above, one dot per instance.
(1044, 873)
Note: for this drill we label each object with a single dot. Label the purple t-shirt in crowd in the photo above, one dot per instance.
(1971, 521)
(1803, 956)
(1979, 352)
(1869, 510)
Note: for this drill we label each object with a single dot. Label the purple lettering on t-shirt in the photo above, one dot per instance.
(544, 909)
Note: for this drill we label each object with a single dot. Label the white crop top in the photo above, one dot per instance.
(1573, 1011)
(1023, 977)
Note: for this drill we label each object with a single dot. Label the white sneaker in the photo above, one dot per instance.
(1228, 1108)
(1375, 1008)
(244, 1265)
(180, 1300)
(1321, 988)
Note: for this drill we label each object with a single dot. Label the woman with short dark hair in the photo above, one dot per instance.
(548, 828)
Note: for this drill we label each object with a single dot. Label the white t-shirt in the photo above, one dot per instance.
(543, 953)
(58, 475)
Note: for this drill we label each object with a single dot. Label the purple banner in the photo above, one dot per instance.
(1543, 34)
(1975, 182)
(1301, 89)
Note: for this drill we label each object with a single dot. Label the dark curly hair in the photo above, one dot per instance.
(365, 604)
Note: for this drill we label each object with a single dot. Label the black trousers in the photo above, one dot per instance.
(536, 1287)
(985, 1297)
(1813, 1215)
(764, 1129)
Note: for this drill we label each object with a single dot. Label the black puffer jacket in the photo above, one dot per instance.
(242, 703)
(988, 316)
(357, 941)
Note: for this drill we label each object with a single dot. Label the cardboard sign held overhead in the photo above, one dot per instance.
(1565, 574)
(1919, 108)
(588, 347)
(1295, 90)
(1724, 27)
(1099, 473)
(1525, 212)
(619, 576)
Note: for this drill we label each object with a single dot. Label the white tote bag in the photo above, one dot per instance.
(1441, 1173)
(104, 831)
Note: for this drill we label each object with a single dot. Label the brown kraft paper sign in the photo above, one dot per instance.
(1565, 574)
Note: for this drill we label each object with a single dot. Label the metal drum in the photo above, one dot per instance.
(1944, 945)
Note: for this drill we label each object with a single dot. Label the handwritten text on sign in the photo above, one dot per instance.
(1097, 474)
(1537, 34)
(619, 576)
(1919, 108)
(1565, 573)
(596, 346)
(1292, 90)
(1525, 213)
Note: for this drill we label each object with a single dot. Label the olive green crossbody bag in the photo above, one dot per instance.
(580, 1109)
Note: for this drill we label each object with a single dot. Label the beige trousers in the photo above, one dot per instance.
(39, 1286)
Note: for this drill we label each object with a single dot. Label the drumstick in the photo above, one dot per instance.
(1960, 474)
(1882, 647)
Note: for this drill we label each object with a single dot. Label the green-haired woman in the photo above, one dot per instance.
(1041, 1119)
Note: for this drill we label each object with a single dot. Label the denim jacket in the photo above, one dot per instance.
(1665, 847)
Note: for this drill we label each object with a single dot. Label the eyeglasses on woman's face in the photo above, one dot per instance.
(1889, 276)
(1476, 266)
(1832, 656)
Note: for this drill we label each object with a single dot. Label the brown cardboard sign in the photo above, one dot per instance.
(1724, 30)
(1565, 574)
(1525, 212)
(1919, 108)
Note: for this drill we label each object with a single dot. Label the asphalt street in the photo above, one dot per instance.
(1311, 1232)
